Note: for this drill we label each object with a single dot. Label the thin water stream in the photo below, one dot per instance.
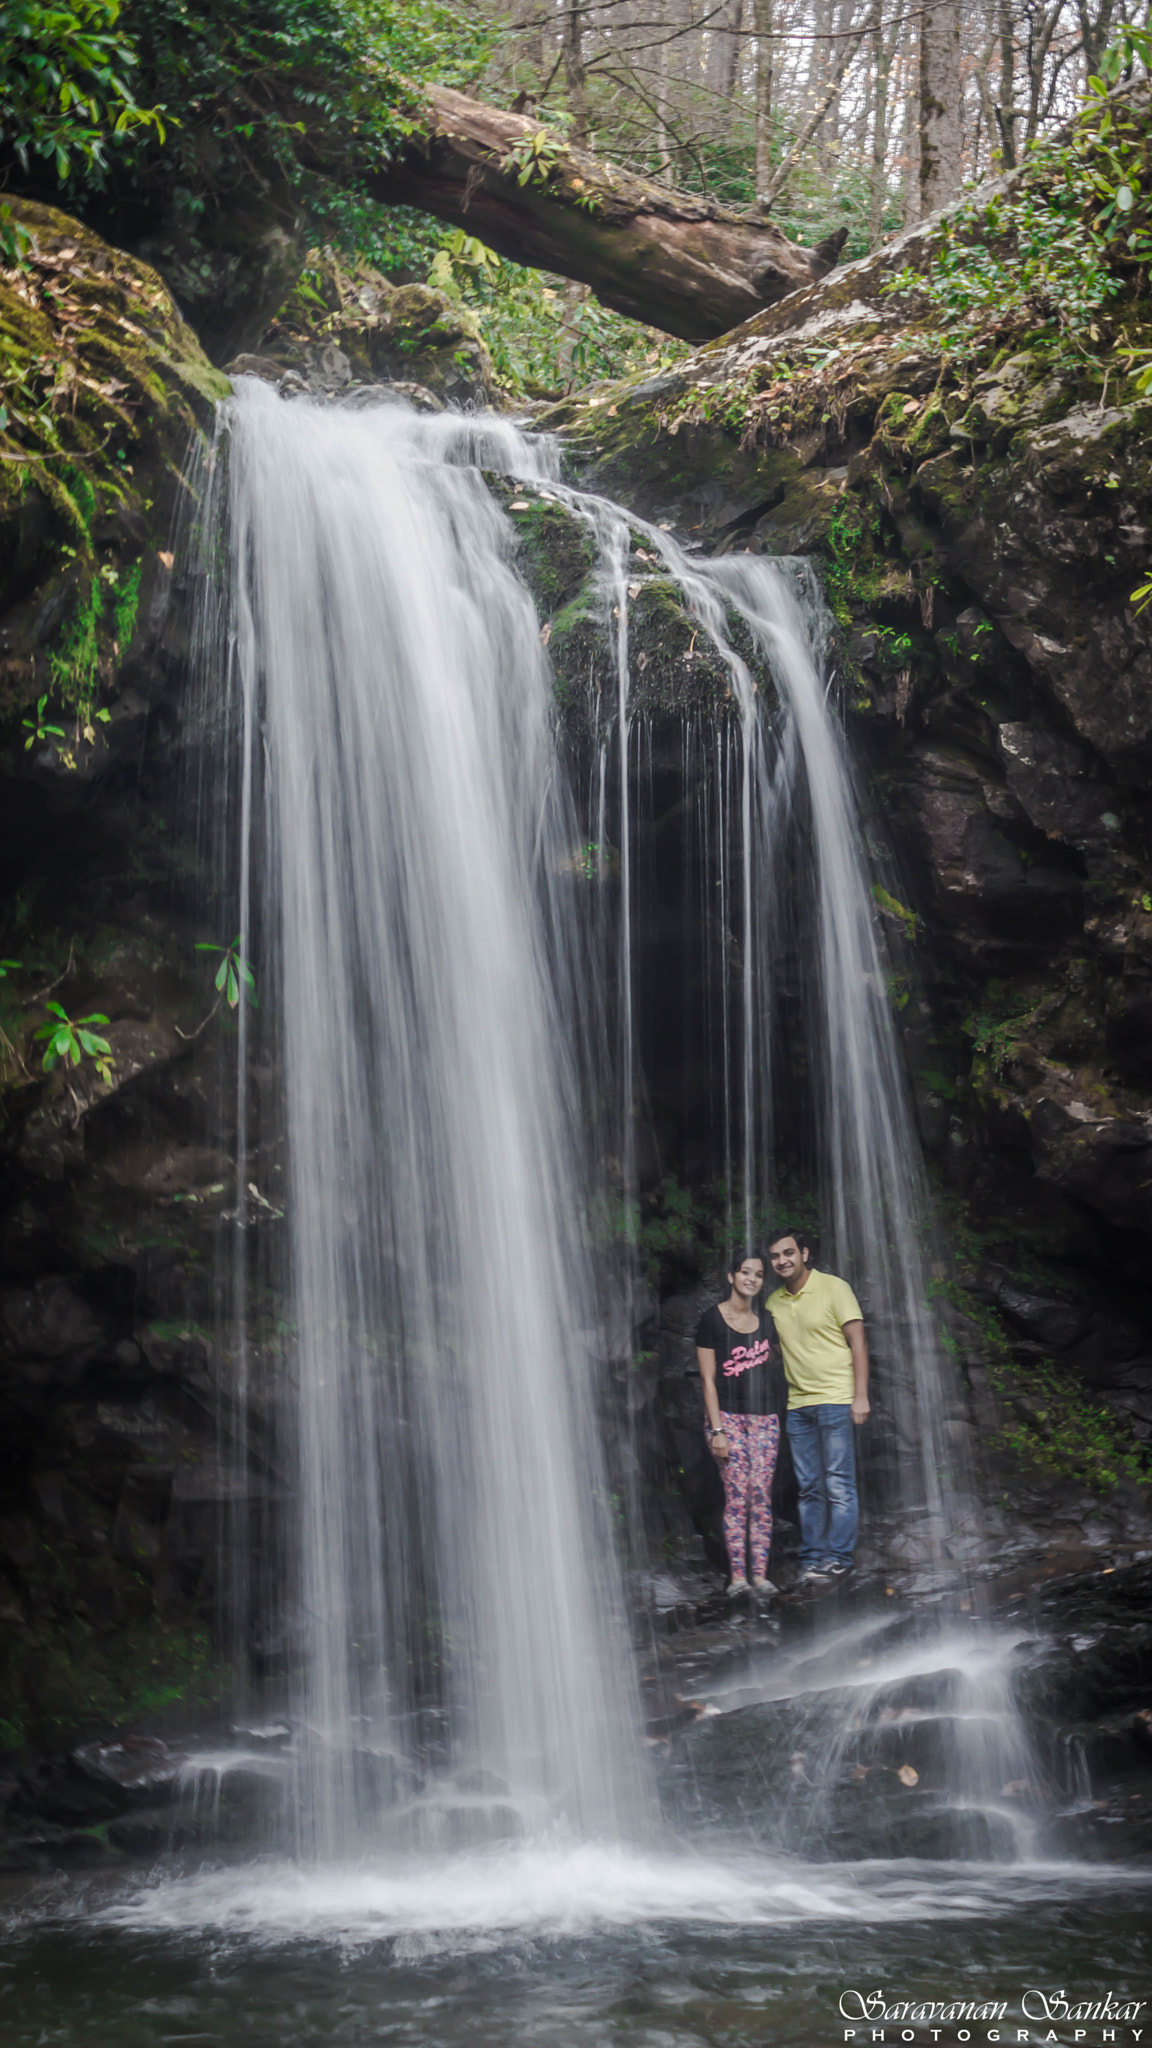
(467, 1838)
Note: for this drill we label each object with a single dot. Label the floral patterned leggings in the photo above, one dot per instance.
(753, 1446)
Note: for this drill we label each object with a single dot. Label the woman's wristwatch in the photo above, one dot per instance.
(718, 1432)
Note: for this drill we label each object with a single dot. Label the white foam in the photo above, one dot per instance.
(488, 1899)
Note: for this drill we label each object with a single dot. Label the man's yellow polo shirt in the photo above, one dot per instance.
(817, 1361)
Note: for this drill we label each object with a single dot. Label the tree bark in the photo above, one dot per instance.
(682, 264)
(1006, 111)
(574, 74)
(878, 173)
(940, 157)
(764, 27)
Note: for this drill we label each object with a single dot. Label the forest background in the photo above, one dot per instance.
(824, 115)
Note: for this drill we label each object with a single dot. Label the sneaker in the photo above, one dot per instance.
(764, 1588)
(836, 1570)
(814, 1576)
(738, 1586)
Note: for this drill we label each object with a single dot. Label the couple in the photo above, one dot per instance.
(815, 1323)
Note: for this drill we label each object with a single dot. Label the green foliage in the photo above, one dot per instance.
(1060, 1430)
(246, 82)
(64, 85)
(536, 159)
(233, 973)
(543, 336)
(72, 1040)
(1055, 1426)
(848, 539)
(1069, 234)
(61, 1680)
(994, 1039)
(38, 728)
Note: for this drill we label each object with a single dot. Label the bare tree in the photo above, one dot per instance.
(765, 57)
(940, 104)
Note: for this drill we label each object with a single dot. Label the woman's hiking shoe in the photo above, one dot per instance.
(764, 1588)
(738, 1586)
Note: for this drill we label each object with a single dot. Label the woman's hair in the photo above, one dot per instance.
(739, 1257)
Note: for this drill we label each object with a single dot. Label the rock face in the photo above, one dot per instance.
(341, 329)
(978, 539)
(980, 529)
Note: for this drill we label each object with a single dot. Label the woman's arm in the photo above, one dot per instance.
(706, 1360)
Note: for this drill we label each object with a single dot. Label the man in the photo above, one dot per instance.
(821, 1332)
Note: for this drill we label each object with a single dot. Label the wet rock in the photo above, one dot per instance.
(141, 1768)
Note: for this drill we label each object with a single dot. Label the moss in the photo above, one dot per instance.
(557, 553)
(60, 1683)
(103, 386)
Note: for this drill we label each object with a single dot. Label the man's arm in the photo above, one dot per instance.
(858, 1346)
(706, 1360)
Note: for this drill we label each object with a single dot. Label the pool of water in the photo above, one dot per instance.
(561, 1946)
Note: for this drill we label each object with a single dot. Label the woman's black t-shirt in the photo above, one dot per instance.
(749, 1372)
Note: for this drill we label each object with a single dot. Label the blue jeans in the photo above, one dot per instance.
(822, 1442)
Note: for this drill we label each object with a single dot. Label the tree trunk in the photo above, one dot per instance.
(939, 104)
(574, 75)
(1006, 111)
(878, 181)
(763, 25)
(683, 264)
(811, 127)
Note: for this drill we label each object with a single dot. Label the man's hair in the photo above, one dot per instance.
(790, 1230)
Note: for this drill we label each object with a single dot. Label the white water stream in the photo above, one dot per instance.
(461, 1672)
(451, 1503)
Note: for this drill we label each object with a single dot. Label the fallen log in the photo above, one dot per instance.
(682, 264)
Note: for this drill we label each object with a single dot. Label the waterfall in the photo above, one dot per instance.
(433, 1030)
(459, 1608)
(804, 882)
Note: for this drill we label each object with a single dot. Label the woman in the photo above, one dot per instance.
(746, 1395)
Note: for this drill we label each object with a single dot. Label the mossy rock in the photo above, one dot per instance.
(105, 386)
(396, 333)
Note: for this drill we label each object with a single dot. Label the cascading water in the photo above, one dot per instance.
(790, 778)
(407, 849)
(451, 1540)
(427, 1551)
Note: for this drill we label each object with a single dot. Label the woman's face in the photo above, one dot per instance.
(748, 1279)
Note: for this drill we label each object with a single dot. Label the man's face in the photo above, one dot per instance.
(787, 1259)
(748, 1279)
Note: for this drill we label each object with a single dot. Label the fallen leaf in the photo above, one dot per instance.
(166, 557)
(907, 1775)
(641, 662)
(861, 1771)
(546, 631)
(634, 589)
(611, 412)
(519, 505)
